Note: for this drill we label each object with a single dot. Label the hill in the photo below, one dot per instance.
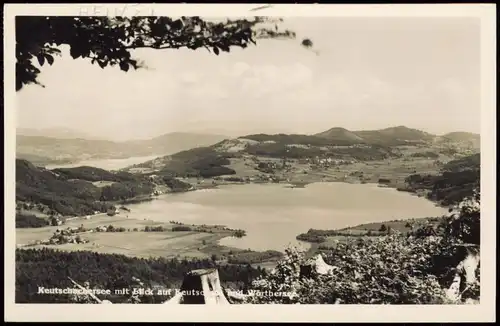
(202, 162)
(177, 141)
(51, 268)
(48, 150)
(82, 190)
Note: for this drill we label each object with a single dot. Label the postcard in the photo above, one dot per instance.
(249, 162)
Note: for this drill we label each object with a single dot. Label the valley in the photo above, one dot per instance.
(441, 169)
(386, 157)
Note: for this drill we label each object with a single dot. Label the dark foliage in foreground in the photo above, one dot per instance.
(202, 162)
(411, 268)
(51, 268)
(70, 191)
(108, 41)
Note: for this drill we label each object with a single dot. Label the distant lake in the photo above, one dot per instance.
(108, 164)
(273, 215)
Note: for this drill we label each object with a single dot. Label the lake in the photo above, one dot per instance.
(108, 164)
(273, 215)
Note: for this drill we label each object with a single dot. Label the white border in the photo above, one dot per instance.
(326, 313)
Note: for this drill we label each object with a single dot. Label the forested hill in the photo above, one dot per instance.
(82, 190)
(399, 135)
(393, 136)
(471, 162)
(456, 180)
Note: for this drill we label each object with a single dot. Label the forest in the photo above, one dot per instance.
(70, 191)
(456, 180)
(51, 268)
(400, 268)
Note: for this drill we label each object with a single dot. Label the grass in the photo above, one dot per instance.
(138, 244)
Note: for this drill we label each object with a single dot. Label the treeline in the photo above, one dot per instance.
(447, 188)
(320, 236)
(175, 184)
(253, 257)
(202, 162)
(427, 154)
(51, 268)
(471, 162)
(301, 140)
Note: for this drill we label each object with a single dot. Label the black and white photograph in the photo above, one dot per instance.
(249, 157)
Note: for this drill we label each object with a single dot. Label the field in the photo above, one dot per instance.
(137, 244)
(395, 170)
(166, 244)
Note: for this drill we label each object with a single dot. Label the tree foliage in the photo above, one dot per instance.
(108, 41)
(51, 268)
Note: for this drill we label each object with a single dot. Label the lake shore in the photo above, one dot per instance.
(196, 244)
(181, 244)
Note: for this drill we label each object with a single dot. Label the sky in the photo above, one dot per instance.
(366, 73)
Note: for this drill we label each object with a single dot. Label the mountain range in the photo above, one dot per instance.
(43, 150)
(69, 146)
